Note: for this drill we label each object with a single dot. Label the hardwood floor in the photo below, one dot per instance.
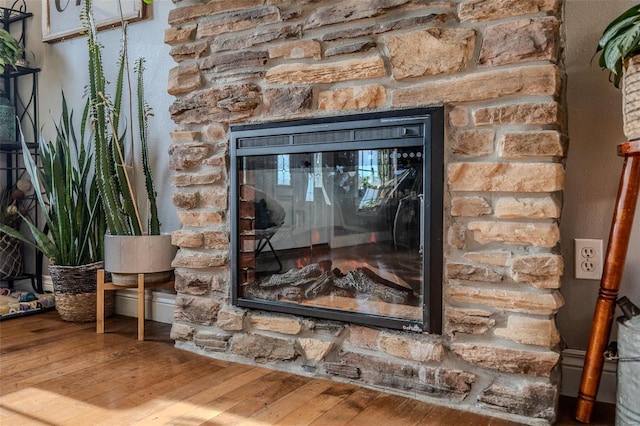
(58, 373)
(603, 414)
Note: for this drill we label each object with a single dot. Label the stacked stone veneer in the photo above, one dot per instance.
(495, 65)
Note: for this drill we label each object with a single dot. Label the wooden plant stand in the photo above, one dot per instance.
(619, 236)
(140, 285)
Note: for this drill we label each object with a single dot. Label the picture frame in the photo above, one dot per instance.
(61, 18)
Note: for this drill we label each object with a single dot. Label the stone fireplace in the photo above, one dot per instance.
(495, 66)
(340, 218)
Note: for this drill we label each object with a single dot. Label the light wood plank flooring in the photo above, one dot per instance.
(58, 373)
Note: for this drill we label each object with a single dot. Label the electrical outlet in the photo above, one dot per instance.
(588, 259)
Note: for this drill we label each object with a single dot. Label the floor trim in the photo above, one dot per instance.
(572, 362)
(159, 306)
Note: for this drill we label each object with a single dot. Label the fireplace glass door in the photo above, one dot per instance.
(334, 232)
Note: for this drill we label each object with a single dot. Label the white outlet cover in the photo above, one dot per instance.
(588, 259)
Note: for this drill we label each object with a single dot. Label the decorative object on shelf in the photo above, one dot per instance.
(619, 47)
(119, 200)
(10, 50)
(22, 97)
(10, 247)
(21, 103)
(24, 62)
(15, 203)
(7, 119)
(9, 212)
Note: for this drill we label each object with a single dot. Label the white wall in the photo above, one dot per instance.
(593, 167)
(64, 67)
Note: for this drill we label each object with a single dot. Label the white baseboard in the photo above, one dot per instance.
(47, 284)
(572, 363)
(158, 305)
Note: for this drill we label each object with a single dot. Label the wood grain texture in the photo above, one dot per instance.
(60, 373)
(55, 372)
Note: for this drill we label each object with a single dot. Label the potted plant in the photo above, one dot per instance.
(619, 47)
(67, 198)
(10, 50)
(131, 247)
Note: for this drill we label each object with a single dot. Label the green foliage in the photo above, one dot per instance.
(10, 50)
(113, 169)
(619, 41)
(66, 196)
(144, 112)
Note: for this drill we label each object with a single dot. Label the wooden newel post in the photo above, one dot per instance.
(611, 275)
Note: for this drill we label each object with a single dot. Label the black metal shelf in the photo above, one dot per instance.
(10, 146)
(18, 71)
(20, 86)
(11, 14)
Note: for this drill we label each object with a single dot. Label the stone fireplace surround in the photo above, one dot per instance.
(496, 67)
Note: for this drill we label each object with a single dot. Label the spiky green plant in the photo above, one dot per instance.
(144, 112)
(113, 167)
(66, 196)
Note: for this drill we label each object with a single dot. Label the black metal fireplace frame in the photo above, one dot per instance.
(432, 141)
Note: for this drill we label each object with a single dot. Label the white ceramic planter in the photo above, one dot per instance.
(127, 256)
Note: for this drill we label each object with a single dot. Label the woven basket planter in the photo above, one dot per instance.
(631, 98)
(10, 257)
(75, 290)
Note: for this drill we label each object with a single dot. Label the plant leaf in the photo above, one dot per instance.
(614, 27)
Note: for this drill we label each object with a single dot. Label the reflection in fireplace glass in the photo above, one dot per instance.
(339, 230)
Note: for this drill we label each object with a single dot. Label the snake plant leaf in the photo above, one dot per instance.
(63, 196)
(41, 241)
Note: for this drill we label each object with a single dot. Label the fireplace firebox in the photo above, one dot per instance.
(341, 218)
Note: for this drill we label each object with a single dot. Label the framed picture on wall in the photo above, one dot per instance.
(61, 18)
